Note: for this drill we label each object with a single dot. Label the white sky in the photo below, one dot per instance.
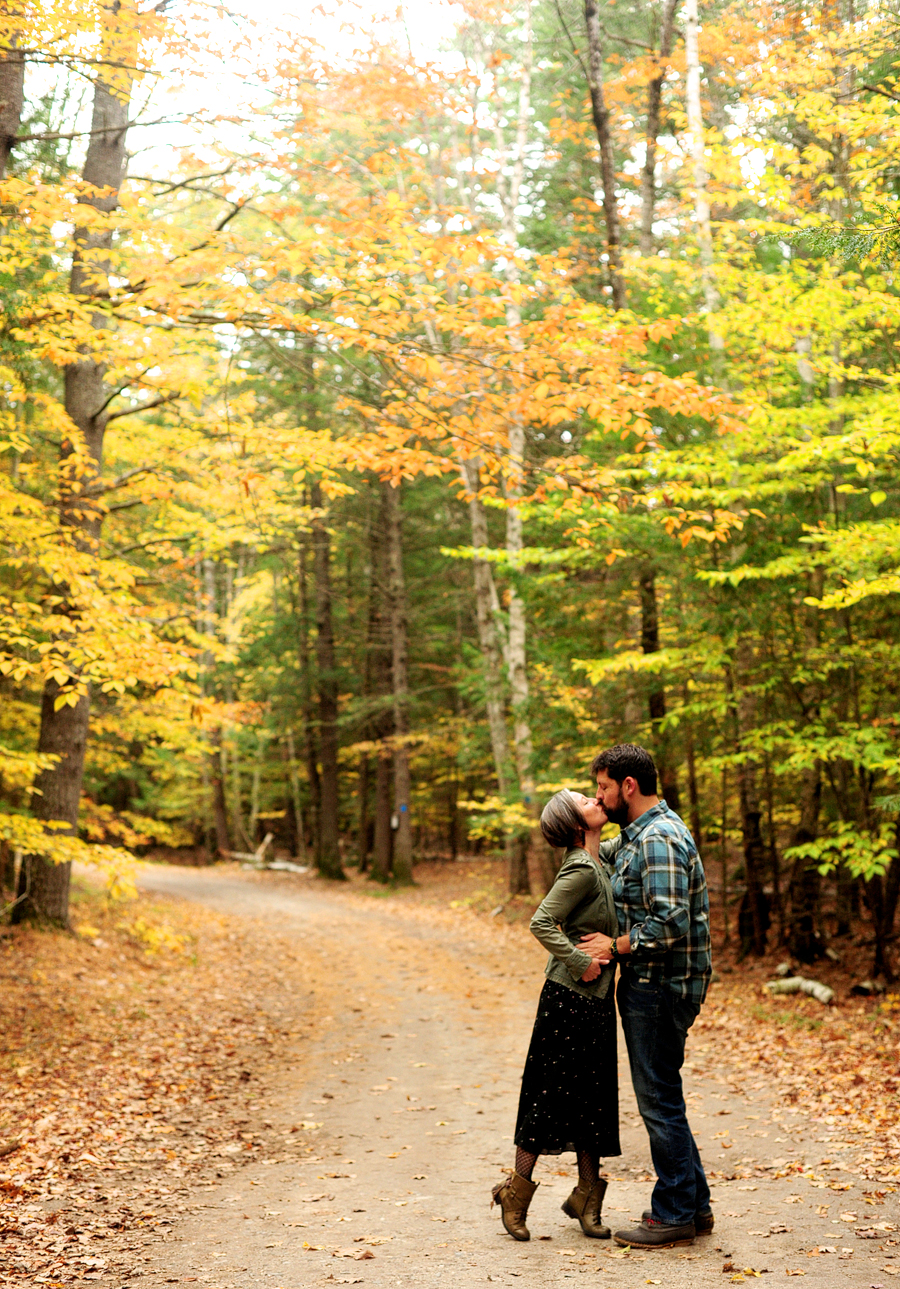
(226, 85)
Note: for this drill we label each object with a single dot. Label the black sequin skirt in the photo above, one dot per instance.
(570, 1087)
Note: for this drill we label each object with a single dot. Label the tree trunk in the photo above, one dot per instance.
(310, 751)
(452, 816)
(774, 856)
(215, 779)
(238, 831)
(517, 670)
(382, 840)
(12, 98)
(382, 690)
(657, 696)
(600, 114)
(403, 849)
(753, 918)
(487, 615)
(253, 824)
(299, 830)
(754, 914)
(845, 883)
(693, 793)
(64, 727)
(362, 840)
(329, 856)
(884, 926)
(882, 895)
(7, 866)
(698, 153)
(803, 937)
(220, 809)
(654, 104)
(723, 858)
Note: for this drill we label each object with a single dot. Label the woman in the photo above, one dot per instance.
(570, 1087)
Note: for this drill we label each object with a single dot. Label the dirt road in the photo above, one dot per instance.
(414, 1078)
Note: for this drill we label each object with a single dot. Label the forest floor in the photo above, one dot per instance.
(260, 1081)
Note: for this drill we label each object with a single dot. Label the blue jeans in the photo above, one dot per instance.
(656, 1022)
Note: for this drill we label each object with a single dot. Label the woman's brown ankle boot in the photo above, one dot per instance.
(586, 1206)
(514, 1194)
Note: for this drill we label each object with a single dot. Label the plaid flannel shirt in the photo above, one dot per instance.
(662, 902)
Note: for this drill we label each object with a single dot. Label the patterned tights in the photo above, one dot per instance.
(588, 1166)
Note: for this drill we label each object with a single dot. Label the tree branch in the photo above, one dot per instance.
(876, 89)
(142, 546)
(184, 183)
(83, 134)
(144, 407)
(99, 488)
(124, 505)
(571, 41)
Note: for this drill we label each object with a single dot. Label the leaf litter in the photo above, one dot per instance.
(128, 1076)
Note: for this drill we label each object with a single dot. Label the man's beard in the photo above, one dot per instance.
(617, 814)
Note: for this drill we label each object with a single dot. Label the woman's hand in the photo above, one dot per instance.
(592, 973)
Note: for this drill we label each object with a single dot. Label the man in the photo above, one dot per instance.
(664, 954)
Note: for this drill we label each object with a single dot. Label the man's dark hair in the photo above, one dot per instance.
(627, 760)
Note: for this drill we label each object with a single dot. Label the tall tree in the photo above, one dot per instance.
(657, 695)
(329, 852)
(697, 141)
(65, 709)
(382, 684)
(654, 123)
(12, 98)
(403, 846)
(602, 126)
(487, 614)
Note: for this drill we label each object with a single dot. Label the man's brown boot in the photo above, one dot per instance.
(703, 1222)
(587, 1205)
(514, 1194)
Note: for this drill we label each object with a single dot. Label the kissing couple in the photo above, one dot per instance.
(636, 905)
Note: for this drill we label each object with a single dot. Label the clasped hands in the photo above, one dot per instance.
(599, 946)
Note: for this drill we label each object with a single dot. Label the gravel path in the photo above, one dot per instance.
(414, 1080)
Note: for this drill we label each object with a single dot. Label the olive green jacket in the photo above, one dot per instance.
(579, 903)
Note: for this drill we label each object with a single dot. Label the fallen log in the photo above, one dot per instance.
(800, 985)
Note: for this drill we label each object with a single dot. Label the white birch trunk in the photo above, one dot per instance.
(486, 607)
(697, 148)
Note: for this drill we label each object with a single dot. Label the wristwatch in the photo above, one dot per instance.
(614, 950)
